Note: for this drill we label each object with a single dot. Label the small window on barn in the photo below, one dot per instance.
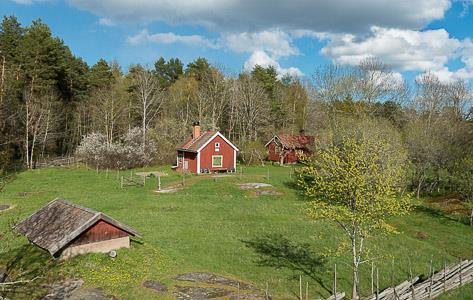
(217, 146)
(217, 160)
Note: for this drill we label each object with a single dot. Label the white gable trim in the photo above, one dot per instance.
(213, 137)
(272, 139)
(198, 162)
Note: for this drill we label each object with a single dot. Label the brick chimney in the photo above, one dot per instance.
(195, 130)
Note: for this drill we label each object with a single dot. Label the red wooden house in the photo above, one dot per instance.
(206, 152)
(286, 148)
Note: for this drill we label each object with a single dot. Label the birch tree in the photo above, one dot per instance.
(355, 182)
(149, 97)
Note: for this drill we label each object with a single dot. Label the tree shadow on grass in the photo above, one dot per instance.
(26, 263)
(438, 213)
(276, 251)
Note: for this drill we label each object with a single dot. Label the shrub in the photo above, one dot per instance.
(252, 152)
(126, 153)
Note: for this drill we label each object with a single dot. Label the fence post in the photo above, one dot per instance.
(307, 290)
(460, 271)
(300, 287)
(411, 279)
(238, 290)
(377, 284)
(241, 171)
(431, 279)
(266, 292)
(372, 277)
(335, 282)
(268, 175)
(121, 184)
(444, 275)
(159, 182)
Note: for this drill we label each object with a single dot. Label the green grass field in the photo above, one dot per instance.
(202, 228)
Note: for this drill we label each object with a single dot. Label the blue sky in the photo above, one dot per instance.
(412, 36)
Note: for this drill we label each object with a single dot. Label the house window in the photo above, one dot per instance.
(217, 146)
(217, 160)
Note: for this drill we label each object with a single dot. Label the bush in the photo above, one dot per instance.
(126, 153)
(252, 152)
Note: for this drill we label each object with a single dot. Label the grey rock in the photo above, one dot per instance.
(90, 294)
(199, 293)
(213, 279)
(3, 275)
(268, 193)
(254, 185)
(71, 290)
(63, 290)
(155, 285)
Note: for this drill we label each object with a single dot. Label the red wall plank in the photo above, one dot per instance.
(101, 231)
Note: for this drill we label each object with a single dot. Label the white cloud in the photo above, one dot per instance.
(106, 22)
(261, 58)
(169, 38)
(251, 16)
(275, 42)
(405, 50)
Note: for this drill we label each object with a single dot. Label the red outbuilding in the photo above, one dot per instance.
(206, 152)
(286, 148)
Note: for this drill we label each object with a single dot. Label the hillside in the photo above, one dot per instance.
(202, 228)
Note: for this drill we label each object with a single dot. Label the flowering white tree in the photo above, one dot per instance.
(96, 150)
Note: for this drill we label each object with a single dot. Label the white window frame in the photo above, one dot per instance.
(217, 146)
(221, 161)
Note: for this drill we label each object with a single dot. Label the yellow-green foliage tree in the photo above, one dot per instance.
(355, 182)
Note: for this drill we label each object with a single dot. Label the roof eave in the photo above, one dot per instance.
(186, 150)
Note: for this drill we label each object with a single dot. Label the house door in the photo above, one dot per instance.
(186, 165)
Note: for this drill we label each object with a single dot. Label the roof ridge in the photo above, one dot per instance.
(78, 206)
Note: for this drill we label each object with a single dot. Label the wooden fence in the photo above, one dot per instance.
(56, 162)
(132, 181)
(449, 278)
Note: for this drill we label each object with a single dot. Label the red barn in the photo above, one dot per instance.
(206, 152)
(286, 148)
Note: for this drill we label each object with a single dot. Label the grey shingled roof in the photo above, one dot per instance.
(58, 223)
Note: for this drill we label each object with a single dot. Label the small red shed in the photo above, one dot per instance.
(65, 229)
(206, 152)
(286, 148)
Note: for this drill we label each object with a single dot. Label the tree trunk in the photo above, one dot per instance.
(419, 186)
(355, 272)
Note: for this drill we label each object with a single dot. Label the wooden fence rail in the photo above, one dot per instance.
(447, 279)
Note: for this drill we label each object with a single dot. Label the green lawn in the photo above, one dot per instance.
(201, 228)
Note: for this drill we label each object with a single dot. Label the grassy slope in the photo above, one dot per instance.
(201, 228)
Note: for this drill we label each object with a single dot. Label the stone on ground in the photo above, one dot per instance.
(166, 191)
(254, 185)
(4, 207)
(268, 193)
(212, 279)
(71, 290)
(199, 293)
(155, 285)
